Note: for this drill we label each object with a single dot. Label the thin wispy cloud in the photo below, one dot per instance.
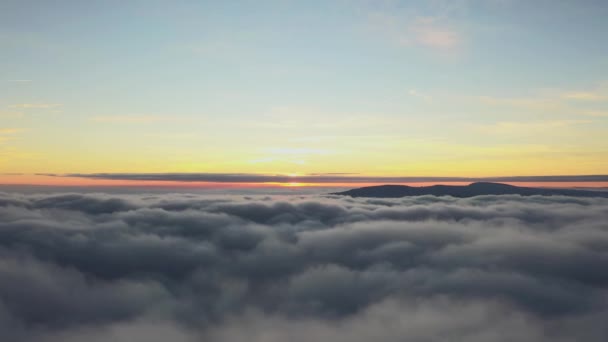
(586, 96)
(296, 150)
(289, 155)
(11, 115)
(532, 102)
(35, 105)
(318, 178)
(596, 113)
(171, 136)
(134, 119)
(274, 160)
(418, 94)
(8, 131)
(531, 126)
(8, 134)
(296, 117)
(437, 33)
(554, 101)
(430, 32)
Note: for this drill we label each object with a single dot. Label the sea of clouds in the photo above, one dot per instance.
(192, 267)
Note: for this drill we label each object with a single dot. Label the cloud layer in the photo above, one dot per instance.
(181, 267)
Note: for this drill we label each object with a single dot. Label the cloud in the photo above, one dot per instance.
(132, 119)
(586, 96)
(11, 115)
(185, 267)
(429, 32)
(554, 100)
(295, 117)
(35, 105)
(432, 32)
(527, 127)
(296, 151)
(172, 136)
(9, 131)
(415, 93)
(297, 161)
(596, 113)
(319, 178)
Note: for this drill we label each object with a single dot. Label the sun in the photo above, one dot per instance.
(294, 183)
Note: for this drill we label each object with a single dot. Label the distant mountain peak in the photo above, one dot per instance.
(490, 185)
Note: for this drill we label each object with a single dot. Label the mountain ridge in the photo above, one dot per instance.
(463, 191)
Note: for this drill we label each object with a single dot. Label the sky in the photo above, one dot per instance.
(464, 88)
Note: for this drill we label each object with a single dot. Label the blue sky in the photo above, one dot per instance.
(461, 88)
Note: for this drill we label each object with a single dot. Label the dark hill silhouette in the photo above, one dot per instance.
(471, 190)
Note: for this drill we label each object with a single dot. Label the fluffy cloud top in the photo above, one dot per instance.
(180, 267)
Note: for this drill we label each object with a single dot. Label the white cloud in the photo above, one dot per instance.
(195, 267)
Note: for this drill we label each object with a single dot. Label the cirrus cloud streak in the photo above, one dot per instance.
(319, 178)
